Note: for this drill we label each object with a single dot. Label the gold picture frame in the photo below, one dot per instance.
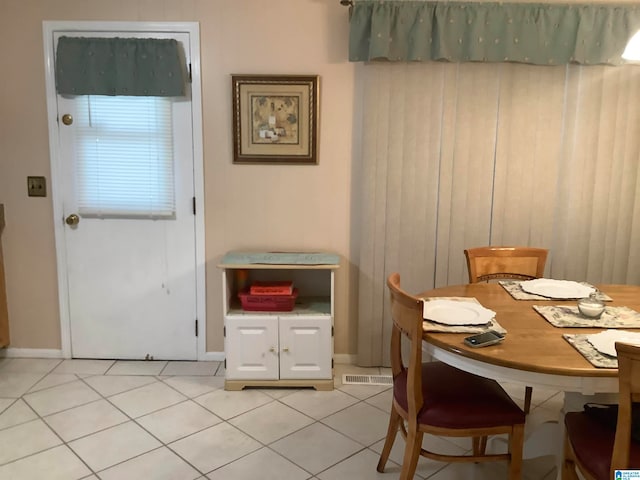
(275, 119)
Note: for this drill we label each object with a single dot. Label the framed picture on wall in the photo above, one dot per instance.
(275, 119)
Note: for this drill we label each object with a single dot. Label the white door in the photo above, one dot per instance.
(131, 279)
(251, 346)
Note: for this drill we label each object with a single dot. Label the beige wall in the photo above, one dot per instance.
(257, 207)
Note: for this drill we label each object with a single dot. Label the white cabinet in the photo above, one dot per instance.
(280, 348)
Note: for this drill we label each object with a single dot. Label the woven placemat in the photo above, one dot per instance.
(588, 351)
(570, 316)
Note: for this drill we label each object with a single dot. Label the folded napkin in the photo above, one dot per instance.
(429, 326)
(588, 351)
(570, 316)
(515, 290)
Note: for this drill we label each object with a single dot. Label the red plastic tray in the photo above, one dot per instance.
(267, 303)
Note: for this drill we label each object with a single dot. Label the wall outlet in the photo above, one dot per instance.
(36, 186)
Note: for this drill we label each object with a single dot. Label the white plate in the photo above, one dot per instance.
(605, 342)
(548, 287)
(451, 312)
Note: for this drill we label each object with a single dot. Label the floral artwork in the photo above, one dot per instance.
(275, 119)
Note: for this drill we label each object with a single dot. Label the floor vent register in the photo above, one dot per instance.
(348, 379)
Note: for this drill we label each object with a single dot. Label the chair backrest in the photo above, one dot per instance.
(406, 313)
(629, 392)
(489, 263)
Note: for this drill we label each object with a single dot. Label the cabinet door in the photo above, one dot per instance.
(305, 347)
(251, 348)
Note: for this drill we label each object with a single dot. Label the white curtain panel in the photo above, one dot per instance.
(463, 155)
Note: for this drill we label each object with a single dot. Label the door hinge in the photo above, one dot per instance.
(225, 363)
(190, 77)
(331, 362)
(332, 331)
(196, 327)
(193, 203)
(224, 331)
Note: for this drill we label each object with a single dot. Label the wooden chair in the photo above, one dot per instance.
(494, 263)
(593, 447)
(489, 263)
(437, 399)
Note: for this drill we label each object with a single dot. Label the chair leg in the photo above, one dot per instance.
(568, 465)
(479, 445)
(475, 442)
(528, 391)
(392, 431)
(516, 446)
(411, 454)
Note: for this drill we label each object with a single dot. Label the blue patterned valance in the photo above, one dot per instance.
(540, 34)
(120, 66)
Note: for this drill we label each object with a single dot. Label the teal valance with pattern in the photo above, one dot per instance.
(540, 34)
(120, 66)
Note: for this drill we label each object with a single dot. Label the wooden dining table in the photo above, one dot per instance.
(533, 353)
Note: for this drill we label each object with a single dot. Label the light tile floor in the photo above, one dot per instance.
(120, 420)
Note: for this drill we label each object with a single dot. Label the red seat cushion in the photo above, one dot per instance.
(592, 443)
(457, 399)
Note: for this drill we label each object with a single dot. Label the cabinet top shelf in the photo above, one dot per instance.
(280, 260)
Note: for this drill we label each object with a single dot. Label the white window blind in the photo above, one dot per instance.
(124, 157)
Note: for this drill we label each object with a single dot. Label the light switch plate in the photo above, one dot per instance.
(36, 186)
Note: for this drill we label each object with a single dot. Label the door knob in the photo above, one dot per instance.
(72, 219)
(67, 119)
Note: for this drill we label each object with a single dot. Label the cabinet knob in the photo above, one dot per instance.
(285, 350)
(272, 349)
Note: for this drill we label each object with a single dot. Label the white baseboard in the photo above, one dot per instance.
(340, 358)
(31, 353)
(344, 358)
(51, 353)
(212, 357)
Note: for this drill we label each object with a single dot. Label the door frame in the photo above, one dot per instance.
(193, 29)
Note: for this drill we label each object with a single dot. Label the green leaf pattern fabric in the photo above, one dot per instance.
(539, 34)
(119, 66)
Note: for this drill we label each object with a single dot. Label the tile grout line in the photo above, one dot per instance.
(64, 443)
(358, 401)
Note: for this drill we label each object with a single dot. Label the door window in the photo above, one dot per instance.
(124, 161)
